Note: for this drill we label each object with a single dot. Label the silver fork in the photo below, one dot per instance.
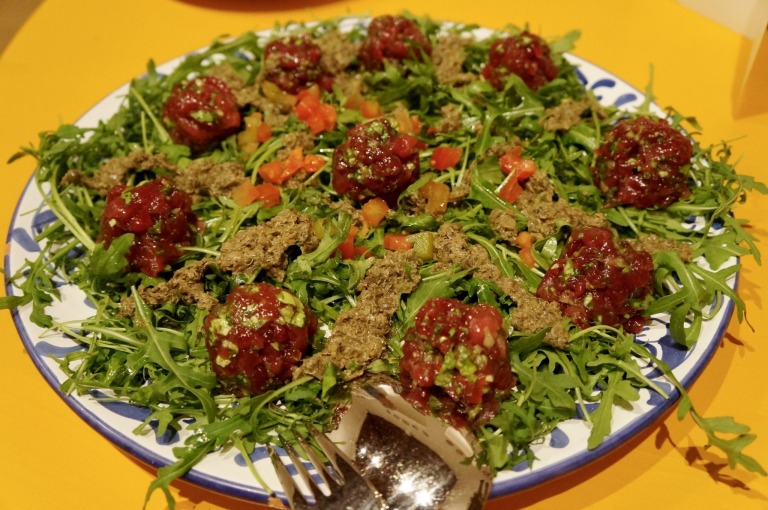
(348, 489)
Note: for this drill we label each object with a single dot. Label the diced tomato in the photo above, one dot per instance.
(513, 162)
(525, 241)
(403, 120)
(295, 160)
(247, 193)
(406, 123)
(318, 116)
(510, 190)
(397, 242)
(416, 124)
(256, 132)
(316, 124)
(279, 171)
(272, 172)
(444, 158)
(518, 170)
(354, 101)
(526, 255)
(328, 114)
(436, 194)
(348, 248)
(354, 94)
(370, 109)
(362, 251)
(374, 210)
(304, 110)
(313, 162)
(310, 95)
(263, 132)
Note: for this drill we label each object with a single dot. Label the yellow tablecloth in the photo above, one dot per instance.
(72, 53)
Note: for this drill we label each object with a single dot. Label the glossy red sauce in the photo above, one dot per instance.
(527, 55)
(599, 280)
(257, 337)
(201, 112)
(392, 38)
(375, 161)
(158, 215)
(642, 162)
(455, 362)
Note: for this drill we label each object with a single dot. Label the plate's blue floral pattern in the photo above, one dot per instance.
(227, 471)
(607, 83)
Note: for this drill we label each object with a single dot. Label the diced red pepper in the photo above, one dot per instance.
(279, 171)
(316, 124)
(295, 161)
(374, 210)
(436, 194)
(510, 190)
(272, 172)
(255, 133)
(318, 116)
(444, 158)
(354, 101)
(263, 132)
(406, 123)
(513, 162)
(266, 193)
(397, 242)
(313, 162)
(524, 240)
(518, 170)
(328, 114)
(370, 109)
(347, 248)
(362, 251)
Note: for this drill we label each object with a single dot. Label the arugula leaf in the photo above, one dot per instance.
(712, 427)
(109, 264)
(335, 233)
(431, 286)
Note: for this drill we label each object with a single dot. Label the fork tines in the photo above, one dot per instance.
(347, 489)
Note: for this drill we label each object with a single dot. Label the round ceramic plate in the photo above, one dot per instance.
(226, 471)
